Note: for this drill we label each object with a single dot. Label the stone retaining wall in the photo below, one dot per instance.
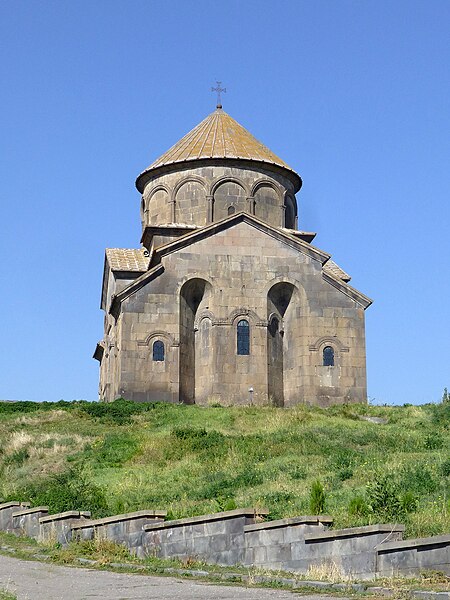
(127, 529)
(6, 514)
(409, 557)
(59, 527)
(242, 537)
(26, 521)
(275, 544)
(352, 551)
(217, 538)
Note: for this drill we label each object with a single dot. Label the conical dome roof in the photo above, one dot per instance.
(218, 136)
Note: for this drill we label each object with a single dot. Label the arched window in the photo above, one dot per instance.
(158, 351)
(243, 338)
(231, 210)
(328, 356)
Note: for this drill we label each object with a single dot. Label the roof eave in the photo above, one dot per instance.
(348, 290)
(212, 228)
(151, 172)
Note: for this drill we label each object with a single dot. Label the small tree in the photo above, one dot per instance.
(445, 397)
(317, 498)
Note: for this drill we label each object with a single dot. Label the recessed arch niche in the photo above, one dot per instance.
(281, 301)
(190, 203)
(157, 207)
(289, 212)
(194, 296)
(229, 195)
(268, 205)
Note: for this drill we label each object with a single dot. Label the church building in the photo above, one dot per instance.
(227, 300)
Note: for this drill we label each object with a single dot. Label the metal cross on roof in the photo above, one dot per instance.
(219, 90)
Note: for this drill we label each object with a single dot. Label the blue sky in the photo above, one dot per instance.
(354, 95)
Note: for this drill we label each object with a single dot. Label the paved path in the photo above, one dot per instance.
(43, 581)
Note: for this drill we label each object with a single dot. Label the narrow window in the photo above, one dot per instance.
(231, 210)
(328, 356)
(243, 338)
(158, 351)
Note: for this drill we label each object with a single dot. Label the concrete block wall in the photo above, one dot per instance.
(26, 521)
(409, 557)
(217, 538)
(276, 544)
(58, 527)
(127, 529)
(6, 514)
(352, 550)
(241, 537)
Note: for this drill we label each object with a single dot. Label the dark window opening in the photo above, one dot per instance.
(158, 351)
(231, 210)
(243, 338)
(328, 356)
(273, 326)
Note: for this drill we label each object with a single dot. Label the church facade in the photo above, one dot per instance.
(226, 300)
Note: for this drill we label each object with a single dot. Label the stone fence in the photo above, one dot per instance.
(243, 537)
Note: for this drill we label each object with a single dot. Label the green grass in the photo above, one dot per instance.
(191, 460)
(5, 595)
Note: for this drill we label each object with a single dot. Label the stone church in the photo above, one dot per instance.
(227, 300)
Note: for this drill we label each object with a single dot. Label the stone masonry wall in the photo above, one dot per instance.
(240, 537)
(240, 265)
(204, 194)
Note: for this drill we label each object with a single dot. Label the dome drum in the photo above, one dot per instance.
(199, 195)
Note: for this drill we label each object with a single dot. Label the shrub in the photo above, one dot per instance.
(441, 414)
(224, 504)
(5, 595)
(297, 472)
(417, 478)
(383, 497)
(18, 457)
(408, 502)
(70, 490)
(116, 449)
(445, 468)
(317, 498)
(199, 439)
(120, 411)
(358, 506)
(434, 441)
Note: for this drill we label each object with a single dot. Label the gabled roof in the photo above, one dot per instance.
(346, 289)
(334, 269)
(226, 223)
(127, 259)
(218, 136)
(156, 268)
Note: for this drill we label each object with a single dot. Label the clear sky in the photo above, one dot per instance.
(354, 95)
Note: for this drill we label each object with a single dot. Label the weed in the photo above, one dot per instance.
(358, 506)
(5, 595)
(434, 441)
(383, 498)
(70, 490)
(317, 498)
(115, 450)
(445, 468)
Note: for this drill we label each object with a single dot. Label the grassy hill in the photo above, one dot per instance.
(192, 460)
